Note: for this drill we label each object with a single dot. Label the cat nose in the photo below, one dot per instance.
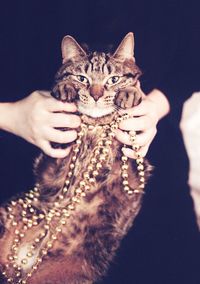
(96, 91)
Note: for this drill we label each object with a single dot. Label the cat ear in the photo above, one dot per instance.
(70, 48)
(126, 48)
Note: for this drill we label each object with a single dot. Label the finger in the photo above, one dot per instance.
(64, 120)
(54, 153)
(139, 110)
(132, 154)
(146, 137)
(59, 136)
(137, 123)
(142, 139)
(55, 105)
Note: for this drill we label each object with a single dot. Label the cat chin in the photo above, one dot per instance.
(94, 112)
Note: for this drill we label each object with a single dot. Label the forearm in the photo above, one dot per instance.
(7, 117)
(161, 102)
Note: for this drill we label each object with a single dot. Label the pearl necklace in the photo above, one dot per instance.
(30, 218)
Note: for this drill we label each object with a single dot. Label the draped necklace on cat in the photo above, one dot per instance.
(68, 228)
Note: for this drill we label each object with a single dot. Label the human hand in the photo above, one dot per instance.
(36, 117)
(143, 119)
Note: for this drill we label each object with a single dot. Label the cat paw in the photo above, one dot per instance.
(64, 92)
(128, 97)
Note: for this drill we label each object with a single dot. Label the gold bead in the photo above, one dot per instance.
(97, 152)
(49, 245)
(82, 183)
(126, 188)
(142, 179)
(29, 274)
(108, 142)
(70, 174)
(87, 187)
(71, 206)
(130, 192)
(140, 167)
(81, 133)
(125, 182)
(67, 182)
(74, 158)
(86, 175)
(93, 160)
(124, 174)
(72, 166)
(138, 191)
(76, 150)
(83, 194)
(56, 204)
(44, 251)
(41, 216)
(54, 237)
(10, 216)
(61, 196)
(78, 190)
(124, 158)
(24, 261)
(58, 214)
(125, 167)
(78, 141)
(98, 166)
(102, 157)
(111, 135)
(58, 230)
(135, 147)
(65, 189)
(92, 180)
(105, 151)
(132, 132)
(139, 160)
(29, 254)
(142, 185)
(141, 173)
(14, 223)
(100, 143)
(95, 173)
(103, 135)
(10, 257)
(90, 167)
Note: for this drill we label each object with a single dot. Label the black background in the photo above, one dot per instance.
(163, 246)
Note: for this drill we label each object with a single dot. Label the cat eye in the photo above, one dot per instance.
(113, 80)
(82, 79)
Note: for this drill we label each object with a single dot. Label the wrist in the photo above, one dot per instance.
(161, 102)
(8, 117)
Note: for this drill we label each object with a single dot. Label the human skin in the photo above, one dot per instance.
(36, 117)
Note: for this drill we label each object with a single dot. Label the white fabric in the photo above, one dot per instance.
(190, 127)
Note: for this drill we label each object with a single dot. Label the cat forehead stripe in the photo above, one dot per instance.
(98, 61)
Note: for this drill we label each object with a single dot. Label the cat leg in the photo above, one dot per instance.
(64, 92)
(128, 97)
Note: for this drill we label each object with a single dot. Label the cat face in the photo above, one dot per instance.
(94, 80)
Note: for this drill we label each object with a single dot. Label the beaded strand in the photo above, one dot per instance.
(98, 157)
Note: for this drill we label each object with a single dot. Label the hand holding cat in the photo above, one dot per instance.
(144, 119)
(35, 119)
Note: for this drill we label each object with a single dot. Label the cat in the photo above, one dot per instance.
(68, 228)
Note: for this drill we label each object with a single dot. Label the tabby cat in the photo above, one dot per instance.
(68, 228)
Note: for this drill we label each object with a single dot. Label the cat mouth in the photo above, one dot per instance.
(95, 111)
